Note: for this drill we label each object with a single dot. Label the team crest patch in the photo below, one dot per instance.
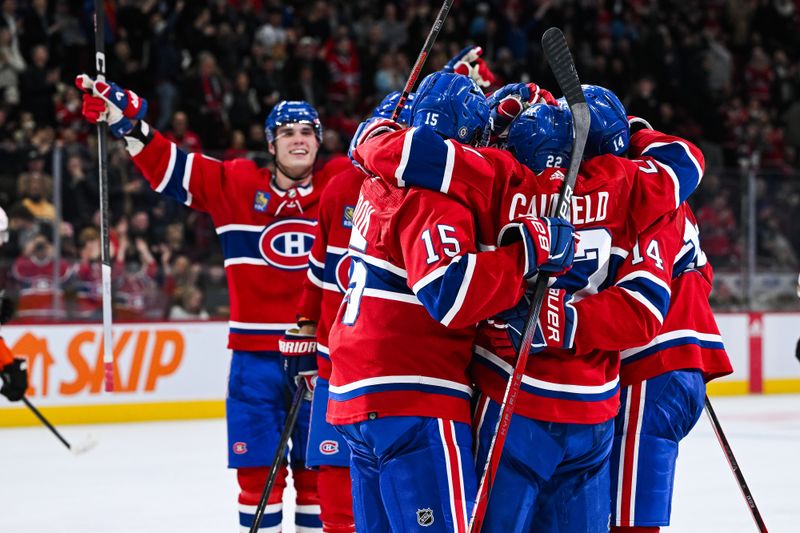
(462, 132)
(347, 217)
(425, 517)
(285, 244)
(329, 447)
(343, 273)
(261, 201)
(239, 448)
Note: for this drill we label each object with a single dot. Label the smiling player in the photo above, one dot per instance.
(265, 222)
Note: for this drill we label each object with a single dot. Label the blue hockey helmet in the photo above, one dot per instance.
(609, 132)
(292, 112)
(453, 105)
(541, 137)
(389, 102)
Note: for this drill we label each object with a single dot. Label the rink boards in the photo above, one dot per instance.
(178, 370)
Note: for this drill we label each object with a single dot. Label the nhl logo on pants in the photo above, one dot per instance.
(425, 517)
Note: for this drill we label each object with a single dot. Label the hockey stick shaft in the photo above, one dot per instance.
(560, 60)
(277, 461)
(737, 472)
(102, 165)
(46, 422)
(423, 55)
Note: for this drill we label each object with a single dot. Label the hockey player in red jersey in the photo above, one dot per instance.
(265, 222)
(570, 392)
(663, 381)
(325, 285)
(401, 342)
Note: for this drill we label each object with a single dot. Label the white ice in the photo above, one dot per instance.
(170, 477)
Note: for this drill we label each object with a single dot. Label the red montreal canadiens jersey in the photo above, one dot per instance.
(402, 340)
(689, 337)
(328, 262)
(36, 289)
(266, 233)
(614, 200)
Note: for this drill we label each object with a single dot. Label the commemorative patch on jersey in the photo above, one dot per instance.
(328, 447)
(347, 217)
(261, 201)
(285, 244)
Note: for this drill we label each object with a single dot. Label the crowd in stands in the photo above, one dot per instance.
(722, 73)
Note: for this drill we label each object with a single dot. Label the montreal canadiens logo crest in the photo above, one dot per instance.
(343, 273)
(239, 448)
(329, 447)
(285, 244)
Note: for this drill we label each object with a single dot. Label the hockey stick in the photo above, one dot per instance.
(102, 165)
(277, 461)
(560, 60)
(77, 450)
(737, 472)
(423, 55)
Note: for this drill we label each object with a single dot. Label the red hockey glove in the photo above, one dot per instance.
(550, 243)
(372, 127)
(299, 359)
(121, 104)
(508, 102)
(468, 63)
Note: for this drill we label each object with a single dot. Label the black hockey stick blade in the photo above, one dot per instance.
(559, 57)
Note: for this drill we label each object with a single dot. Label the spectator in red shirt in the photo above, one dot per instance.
(341, 56)
(33, 273)
(181, 135)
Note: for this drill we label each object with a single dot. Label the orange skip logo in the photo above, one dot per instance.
(145, 360)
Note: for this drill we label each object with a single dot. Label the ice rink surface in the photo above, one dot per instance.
(170, 477)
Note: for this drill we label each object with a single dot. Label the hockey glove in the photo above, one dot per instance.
(372, 127)
(510, 101)
(15, 379)
(468, 62)
(299, 359)
(555, 327)
(550, 243)
(110, 102)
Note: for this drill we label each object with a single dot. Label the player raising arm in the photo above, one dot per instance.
(265, 222)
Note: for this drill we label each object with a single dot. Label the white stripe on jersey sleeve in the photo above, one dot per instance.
(462, 291)
(170, 167)
(448, 167)
(401, 168)
(639, 297)
(187, 178)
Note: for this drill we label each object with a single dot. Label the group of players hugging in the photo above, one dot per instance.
(392, 284)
